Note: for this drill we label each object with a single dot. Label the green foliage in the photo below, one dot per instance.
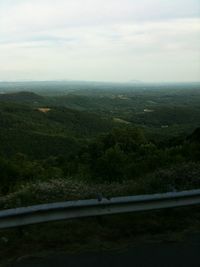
(183, 176)
(122, 154)
(8, 176)
(109, 167)
(107, 139)
(90, 145)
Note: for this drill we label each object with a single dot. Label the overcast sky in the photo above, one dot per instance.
(102, 40)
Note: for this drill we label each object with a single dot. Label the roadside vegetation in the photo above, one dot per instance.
(89, 148)
(71, 146)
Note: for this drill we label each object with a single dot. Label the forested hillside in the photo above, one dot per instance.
(146, 138)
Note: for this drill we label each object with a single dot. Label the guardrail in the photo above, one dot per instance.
(96, 207)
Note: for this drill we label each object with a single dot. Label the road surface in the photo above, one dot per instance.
(168, 254)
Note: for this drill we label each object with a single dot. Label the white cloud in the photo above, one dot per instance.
(99, 39)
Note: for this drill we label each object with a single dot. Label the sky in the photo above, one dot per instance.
(100, 40)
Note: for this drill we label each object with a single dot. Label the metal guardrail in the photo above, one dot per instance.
(94, 207)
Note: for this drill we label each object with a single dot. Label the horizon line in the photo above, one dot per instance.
(96, 81)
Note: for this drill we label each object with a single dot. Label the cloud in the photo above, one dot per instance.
(37, 15)
(99, 39)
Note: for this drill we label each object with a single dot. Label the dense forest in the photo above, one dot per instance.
(148, 137)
